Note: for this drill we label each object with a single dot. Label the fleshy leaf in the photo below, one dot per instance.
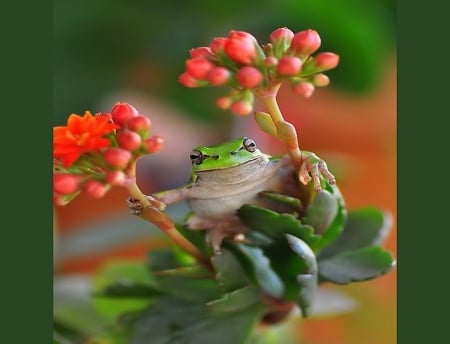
(275, 225)
(364, 227)
(322, 211)
(229, 271)
(179, 321)
(262, 272)
(236, 300)
(333, 231)
(125, 273)
(358, 265)
(307, 280)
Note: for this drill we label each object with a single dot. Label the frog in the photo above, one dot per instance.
(226, 176)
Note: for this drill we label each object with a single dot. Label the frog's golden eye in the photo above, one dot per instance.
(196, 157)
(249, 145)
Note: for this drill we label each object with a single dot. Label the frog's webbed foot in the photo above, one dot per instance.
(317, 167)
(136, 207)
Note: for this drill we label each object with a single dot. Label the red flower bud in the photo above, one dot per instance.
(249, 77)
(241, 108)
(117, 157)
(154, 144)
(289, 65)
(198, 67)
(240, 47)
(271, 61)
(200, 52)
(325, 61)
(224, 103)
(60, 200)
(64, 183)
(217, 45)
(122, 112)
(117, 178)
(128, 139)
(187, 80)
(218, 76)
(320, 80)
(95, 189)
(305, 89)
(305, 42)
(140, 124)
(281, 34)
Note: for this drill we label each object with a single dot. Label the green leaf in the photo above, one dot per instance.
(124, 273)
(322, 211)
(354, 266)
(189, 288)
(333, 231)
(293, 202)
(364, 227)
(236, 300)
(230, 273)
(174, 321)
(262, 271)
(275, 225)
(128, 289)
(195, 237)
(307, 280)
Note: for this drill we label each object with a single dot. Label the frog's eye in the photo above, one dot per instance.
(249, 145)
(196, 157)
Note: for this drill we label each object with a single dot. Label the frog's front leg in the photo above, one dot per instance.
(162, 199)
(316, 166)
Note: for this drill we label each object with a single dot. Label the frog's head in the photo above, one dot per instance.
(225, 155)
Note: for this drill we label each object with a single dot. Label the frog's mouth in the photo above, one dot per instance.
(250, 170)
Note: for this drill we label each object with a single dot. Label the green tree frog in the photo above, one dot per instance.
(225, 177)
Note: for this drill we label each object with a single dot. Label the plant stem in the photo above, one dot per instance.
(153, 212)
(285, 131)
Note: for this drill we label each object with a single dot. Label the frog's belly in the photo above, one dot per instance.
(219, 206)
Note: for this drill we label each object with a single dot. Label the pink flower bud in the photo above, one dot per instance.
(116, 178)
(128, 139)
(95, 189)
(198, 67)
(60, 200)
(218, 76)
(320, 80)
(154, 144)
(249, 77)
(64, 183)
(325, 61)
(122, 112)
(200, 52)
(306, 42)
(224, 103)
(240, 47)
(241, 108)
(271, 61)
(305, 89)
(217, 45)
(289, 65)
(117, 157)
(140, 124)
(281, 34)
(187, 80)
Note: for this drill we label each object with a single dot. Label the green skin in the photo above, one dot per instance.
(225, 177)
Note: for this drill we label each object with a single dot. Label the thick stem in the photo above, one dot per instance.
(285, 131)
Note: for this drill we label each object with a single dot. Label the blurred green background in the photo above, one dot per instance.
(134, 50)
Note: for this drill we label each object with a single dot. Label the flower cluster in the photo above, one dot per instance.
(94, 152)
(250, 69)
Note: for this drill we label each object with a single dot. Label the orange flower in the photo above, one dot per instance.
(82, 134)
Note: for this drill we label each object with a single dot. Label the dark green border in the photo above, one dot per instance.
(423, 178)
(26, 136)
